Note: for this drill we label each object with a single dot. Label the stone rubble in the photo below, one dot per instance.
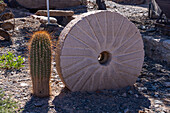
(44, 19)
(157, 49)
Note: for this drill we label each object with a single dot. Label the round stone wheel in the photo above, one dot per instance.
(99, 50)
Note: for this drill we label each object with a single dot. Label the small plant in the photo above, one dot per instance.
(6, 104)
(1, 1)
(40, 63)
(9, 61)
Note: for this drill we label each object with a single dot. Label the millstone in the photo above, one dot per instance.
(99, 50)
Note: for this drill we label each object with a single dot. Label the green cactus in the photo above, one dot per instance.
(40, 63)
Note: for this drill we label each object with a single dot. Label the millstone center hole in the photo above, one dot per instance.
(104, 58)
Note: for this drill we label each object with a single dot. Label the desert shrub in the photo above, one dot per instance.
(6, 104)
(1, 1)
(9, 61)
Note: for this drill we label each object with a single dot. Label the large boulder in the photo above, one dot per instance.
(41, 4)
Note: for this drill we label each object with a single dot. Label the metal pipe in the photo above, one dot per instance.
(48, 13)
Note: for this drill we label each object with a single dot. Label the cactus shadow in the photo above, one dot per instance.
(5, 43)
(37, 105)
(100, 101)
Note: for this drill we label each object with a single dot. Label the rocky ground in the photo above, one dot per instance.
(151, 92)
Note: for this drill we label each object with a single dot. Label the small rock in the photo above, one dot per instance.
(25, 98)
(156, 106)
(136, 95)
(130, 92)
(157, 40)
(151, 30)
(140, 111)
(61, 85)
(38, 104)
(2, 7)
(7, 15)
(138, 79)
(52, 80)
(54, 70)
(7, 26)
(154, 88)
(23, 84)
(124, 95)
(156, 95)
(113, 92)
(18, 96)
(142, 27)
(158, 102)
(142, 88)
(44, 19)
(12, 73)
(167, 84)
(126, 111)
(54, 63)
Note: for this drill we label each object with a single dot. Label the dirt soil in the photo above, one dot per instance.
(150, 93)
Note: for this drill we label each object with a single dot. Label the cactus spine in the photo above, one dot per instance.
(40, 63)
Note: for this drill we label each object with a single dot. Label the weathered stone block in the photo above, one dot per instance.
(157, 49)
(44, 19)
(55, 13)
(166, 44)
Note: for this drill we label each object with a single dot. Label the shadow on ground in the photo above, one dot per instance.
(37, 105)
(5, 43)
(150, 83)
(101, 101)
(154, 81)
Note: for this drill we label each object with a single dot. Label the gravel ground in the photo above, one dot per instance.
(151, 92)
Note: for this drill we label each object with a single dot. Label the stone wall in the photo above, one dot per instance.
(157, 49)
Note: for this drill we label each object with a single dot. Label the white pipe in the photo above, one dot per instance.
(48, 13)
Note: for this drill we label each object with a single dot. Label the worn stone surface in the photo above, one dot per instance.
(167, 84)
(4, 36)
(44, 19)
(85, 38)
(157, 49)
(55, 13)
(6, 15)
(7, 26)
(166, 44)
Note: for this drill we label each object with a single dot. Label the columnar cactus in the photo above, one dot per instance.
(40, 63)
